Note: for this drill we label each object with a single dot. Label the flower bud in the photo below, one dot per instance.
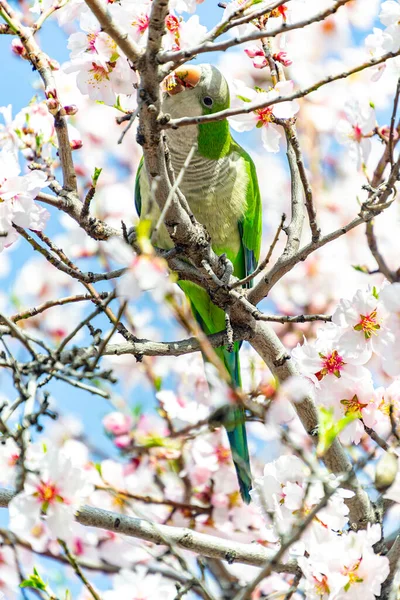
(71, 109)
(259, 62)
(76, 144)
(122, 441)
(384, 132)
(17, 47)
(54, 64)
(282, 58)
(253, 51)
(117, 423)
(53, 106)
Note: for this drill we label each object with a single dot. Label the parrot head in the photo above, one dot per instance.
(195, 90)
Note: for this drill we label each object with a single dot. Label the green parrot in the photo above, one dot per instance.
(221, 188)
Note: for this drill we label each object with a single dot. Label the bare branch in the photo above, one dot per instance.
(266, 260)
(206, 46)
(312, 215)
(249, 107)
(200, 543)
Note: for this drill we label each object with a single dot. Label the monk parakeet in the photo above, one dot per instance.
(221, 188)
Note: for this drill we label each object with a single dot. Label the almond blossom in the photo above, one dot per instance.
(356, 399)
(17, 194)
(323, 360)
(287, 493)
(345, 567)
(352, 131)
(52, 494)
(117, 423)
(390, 16)
(141, 586)
(264, 118)
(366, 325)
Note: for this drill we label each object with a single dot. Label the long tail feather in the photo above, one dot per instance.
(236, 429)
(212, 319)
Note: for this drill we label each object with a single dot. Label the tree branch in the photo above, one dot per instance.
(249, 107)
(200, 543)
(180, 56)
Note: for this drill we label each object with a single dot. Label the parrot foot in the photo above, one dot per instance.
(129, 234)
(227, 267)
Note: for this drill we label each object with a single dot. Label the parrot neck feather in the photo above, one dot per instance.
(214, 139)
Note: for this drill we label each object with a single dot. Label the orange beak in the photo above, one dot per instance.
(180, 79)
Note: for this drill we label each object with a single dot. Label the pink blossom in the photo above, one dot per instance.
(117, 423)
(352, 131)
(264, 118)
(52, 495)
(365, 323)
(17, 194)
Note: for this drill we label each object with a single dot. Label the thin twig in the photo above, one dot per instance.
(174, 188)
(266, 260)
(205, 46)
(249, 107)
(79, 573)
(312, 215)
(131, 119)
(392, 121)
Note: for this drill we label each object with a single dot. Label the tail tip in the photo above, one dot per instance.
(245, 492)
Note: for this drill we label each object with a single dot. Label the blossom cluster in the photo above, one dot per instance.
(141, 465)
(363, 327)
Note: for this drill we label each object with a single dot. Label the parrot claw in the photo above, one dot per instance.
(130, 235)
(228, 268)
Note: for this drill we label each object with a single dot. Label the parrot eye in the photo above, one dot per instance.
(208, 101)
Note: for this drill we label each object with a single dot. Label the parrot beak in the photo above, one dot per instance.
(180, 79)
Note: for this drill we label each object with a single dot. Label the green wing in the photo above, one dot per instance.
(250, 226)
(138, 197)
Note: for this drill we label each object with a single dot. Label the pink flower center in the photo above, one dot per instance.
(141, 23)
(265, 116)
(91, 38)
(279, 12)
(223, 454)
(321, 585)
(48, 493)
(357, 133)
(172, 24)
(351, 573)
(368, 324)
(12, 460)
(99, 72)
(332, 364)
(78, 547)
(353, 407)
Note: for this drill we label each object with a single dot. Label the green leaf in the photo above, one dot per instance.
(137, 410)
(118, 106)
(243, 98)
(157, 383)
(375, 293)
(361, 268)
(96, 176)
(34, 581)
(329, 429)
(97, 466)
